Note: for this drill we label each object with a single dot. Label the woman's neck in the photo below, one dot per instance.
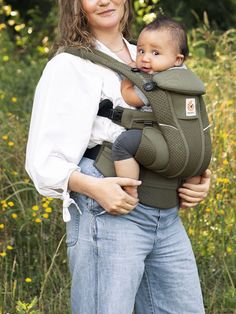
(114, 41)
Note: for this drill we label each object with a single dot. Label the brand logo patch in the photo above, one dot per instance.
(190, 107)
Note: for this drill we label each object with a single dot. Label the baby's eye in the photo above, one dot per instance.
(140, 51)
(155, 53)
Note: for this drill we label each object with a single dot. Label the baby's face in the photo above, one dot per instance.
(156, 51)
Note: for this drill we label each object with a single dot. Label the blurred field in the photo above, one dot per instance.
(32, 247)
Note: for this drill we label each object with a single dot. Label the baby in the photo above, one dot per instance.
(161, 45)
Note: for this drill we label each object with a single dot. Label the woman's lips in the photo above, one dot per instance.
(106, 13)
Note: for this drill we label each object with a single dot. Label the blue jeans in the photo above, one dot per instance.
(141, 260)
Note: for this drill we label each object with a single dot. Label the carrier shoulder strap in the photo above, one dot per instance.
(143, 81)
(179, 80)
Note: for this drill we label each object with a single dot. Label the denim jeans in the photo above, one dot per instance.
(141, 260)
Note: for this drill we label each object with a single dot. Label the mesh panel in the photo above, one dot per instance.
(176, 151)
(161, 107)
(193, 136)
(146, 153)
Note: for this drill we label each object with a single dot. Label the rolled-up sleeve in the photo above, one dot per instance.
(65, 106)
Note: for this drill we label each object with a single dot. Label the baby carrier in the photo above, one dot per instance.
(175, 140)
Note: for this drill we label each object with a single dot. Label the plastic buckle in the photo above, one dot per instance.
(148, 123)
(115, 115)
(149, 86)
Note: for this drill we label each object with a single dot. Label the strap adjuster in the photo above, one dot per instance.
(115, 115)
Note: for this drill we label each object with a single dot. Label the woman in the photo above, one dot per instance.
(121, 253)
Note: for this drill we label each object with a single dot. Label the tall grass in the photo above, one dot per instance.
(32, 247)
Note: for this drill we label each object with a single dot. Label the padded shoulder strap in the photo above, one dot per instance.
(180, 80)
(98, 57)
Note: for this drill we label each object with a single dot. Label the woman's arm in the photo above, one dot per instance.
(107, 192)
(191, 194)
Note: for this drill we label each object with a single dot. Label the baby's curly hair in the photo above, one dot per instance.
(176, 30)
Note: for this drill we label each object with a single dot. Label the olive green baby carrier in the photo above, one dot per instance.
(175, 140)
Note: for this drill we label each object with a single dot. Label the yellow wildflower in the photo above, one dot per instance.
(2, 226)
(229, 250)
(14, 215)
(2, 26)
(5, 58)
(221, 212)
(225, 162)
(230, 102)
(5, 137)
(11, 204)
(9, 247)
(3, 254)
(45, 216)
(48, 210)
(35, 207)
(191, 231)
(208, 210)
(219, 196)
(38, 220)
(50, 198)
(4, 204)
(26, 180)
(19, 27)
(45, 205)
(34, 215)
(14, 99)
(7, 9)
(28, 280)
(225, 180)
(11, 143)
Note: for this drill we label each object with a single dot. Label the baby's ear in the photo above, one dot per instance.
(179, 60)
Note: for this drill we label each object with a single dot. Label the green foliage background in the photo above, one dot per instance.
(34, 275)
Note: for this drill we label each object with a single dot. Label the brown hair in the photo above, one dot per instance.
(176, 30)
(74, 29)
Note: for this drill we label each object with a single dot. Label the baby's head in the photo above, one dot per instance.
(161, 45)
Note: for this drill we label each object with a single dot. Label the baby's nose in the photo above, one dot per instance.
(145, 58)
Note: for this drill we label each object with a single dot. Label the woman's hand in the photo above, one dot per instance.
(108, 192)
(192, 193)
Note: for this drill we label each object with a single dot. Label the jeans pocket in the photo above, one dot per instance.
(72, 227)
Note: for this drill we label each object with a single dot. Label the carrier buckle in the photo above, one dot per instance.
(115, 115)
(148, 123)
(149, 86)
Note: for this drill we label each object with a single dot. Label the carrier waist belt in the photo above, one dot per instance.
(92, 153)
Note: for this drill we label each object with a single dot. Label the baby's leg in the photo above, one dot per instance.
(128, 168)
(123, 152)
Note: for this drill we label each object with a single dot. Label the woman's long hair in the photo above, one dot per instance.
(74, 29)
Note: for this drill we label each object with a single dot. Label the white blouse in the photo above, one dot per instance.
(64, 120)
